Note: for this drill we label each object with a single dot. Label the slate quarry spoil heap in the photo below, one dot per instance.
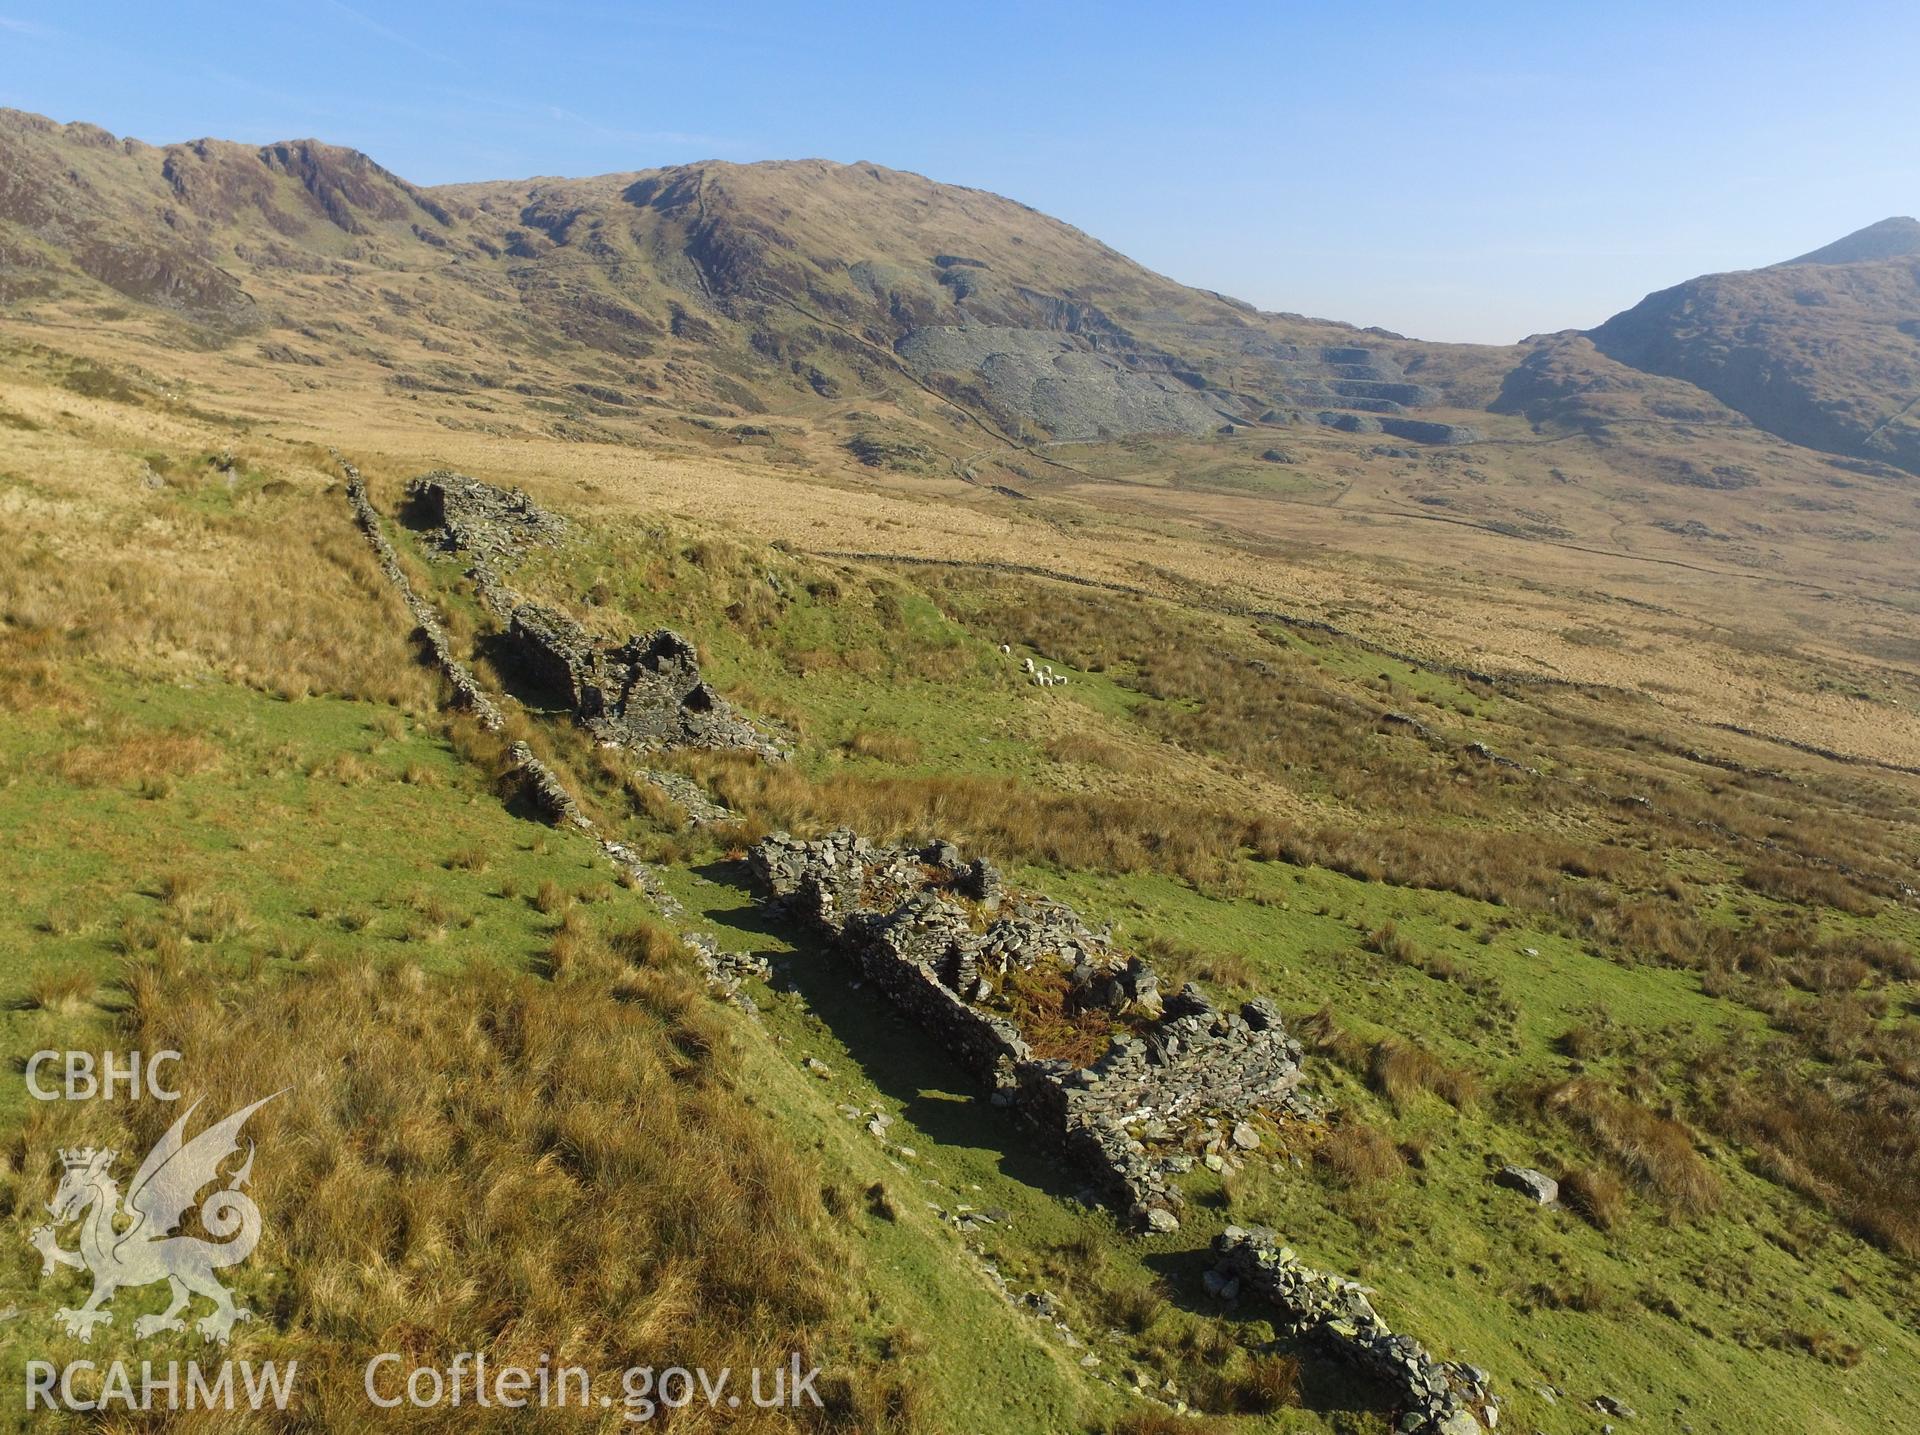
(948, 942)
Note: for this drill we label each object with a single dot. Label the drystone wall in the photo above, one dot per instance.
(1438, 1397)
(646, 694)
(467, 691)
(537, 782)
(940, 936)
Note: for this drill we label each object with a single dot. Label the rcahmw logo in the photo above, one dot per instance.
(133, 1242)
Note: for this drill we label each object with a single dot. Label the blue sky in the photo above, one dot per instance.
(1455, 171)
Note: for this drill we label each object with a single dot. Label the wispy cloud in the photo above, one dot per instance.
(25, 27)
(641, 137)
(405, 42)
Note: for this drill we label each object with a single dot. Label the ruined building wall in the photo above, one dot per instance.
(646, 693)
(923, 928)
(1438, 1397)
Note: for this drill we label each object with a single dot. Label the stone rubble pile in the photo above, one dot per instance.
(1438, 1397)
(646, 693)
(693, 799)
(479, 520)
(934, 934)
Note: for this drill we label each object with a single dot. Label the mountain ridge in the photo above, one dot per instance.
(803, 286)
(1891, 238)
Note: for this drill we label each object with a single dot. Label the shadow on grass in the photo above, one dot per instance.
(501, 661)
(901, 1060)
(1328, 1383)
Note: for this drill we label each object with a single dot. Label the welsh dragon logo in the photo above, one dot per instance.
(134, 1245)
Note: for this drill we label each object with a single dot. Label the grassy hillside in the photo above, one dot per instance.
(1560, 787)
(1675, 977)
(242, 828)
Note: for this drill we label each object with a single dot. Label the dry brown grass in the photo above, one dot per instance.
(1094, 751)
(1860, 1157)
(470, 859)
(1807, 886)
(998, 815)
(1400, 1069)
(1360, 1156)
(286, 602)
(61, 989)
(125, 755)
(1596, 1193)
(1234, 1382)
(1658, 1151)
(220, 916)
(592, 1156)
(31, 677)
(1178, 962)
(895, 748)
(1322, 1033)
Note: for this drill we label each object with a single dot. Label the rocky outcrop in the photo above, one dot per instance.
(1059, 382)
(1426, 431)
(958, 952)
(1438, 1397)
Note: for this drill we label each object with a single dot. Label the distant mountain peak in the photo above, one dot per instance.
(1894, 238)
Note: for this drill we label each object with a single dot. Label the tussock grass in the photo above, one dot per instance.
(894, 748)
(1803, 885)
(1596, 1193)
(1359, 1155)
(1860, 1157)
(1399, 1069)
(132, 755)
(589, 1154)
(1234, 1382)
(1183, 962)
(470, 859)
(1656, 1150)
(63, 990)
(1090, 832)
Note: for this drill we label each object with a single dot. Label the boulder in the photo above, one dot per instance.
(1537, 1186)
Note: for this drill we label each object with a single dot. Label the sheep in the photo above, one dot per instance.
(1027, 666)
(1006, 648)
